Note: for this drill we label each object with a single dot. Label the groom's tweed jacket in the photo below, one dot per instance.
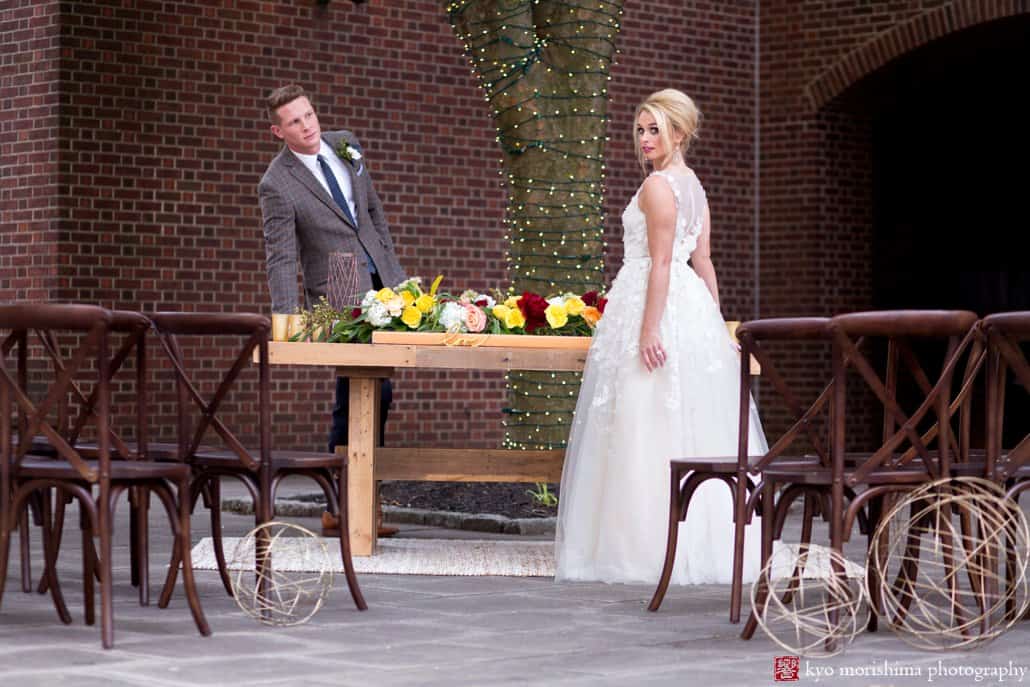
(301, 220)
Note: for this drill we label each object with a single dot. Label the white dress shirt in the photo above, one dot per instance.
(335, 164)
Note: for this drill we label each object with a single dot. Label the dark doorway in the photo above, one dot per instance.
(952, 172)
(951, 178)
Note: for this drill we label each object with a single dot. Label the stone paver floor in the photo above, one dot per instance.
(439, 631)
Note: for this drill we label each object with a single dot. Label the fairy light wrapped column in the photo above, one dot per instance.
(544, 68)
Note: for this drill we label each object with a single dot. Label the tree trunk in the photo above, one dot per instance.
(544, 66)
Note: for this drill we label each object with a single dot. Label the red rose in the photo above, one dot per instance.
(482, 302)
(355, 313)
(601, 303)
(533, 308)
(590, 298)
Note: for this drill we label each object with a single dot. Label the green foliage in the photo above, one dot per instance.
(543, 495)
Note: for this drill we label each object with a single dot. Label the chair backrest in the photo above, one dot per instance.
(774, 343)
(132, 327)
(172, 329)
(909, 431)
(84, 329)
(1006, 334)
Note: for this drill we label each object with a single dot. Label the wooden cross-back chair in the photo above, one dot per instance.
(1007, 335)
(92, 478)
(18, 342)
(907, 456)
(259, 470)
(1008, 461)
(738, 471)
(131, 328)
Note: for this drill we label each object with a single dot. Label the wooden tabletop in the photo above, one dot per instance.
(426, 357)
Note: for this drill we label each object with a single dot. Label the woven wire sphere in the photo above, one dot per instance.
(292, 585)
(814, 604)
(950, 563)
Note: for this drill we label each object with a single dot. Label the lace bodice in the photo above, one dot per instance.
(690, 212)
(617, 336)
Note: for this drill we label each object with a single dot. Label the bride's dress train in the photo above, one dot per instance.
(614, 498)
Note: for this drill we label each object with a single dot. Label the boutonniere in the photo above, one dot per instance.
(348, 152)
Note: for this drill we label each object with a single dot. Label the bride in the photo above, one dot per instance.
(661, 382)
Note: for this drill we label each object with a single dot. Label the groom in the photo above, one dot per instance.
(317, 197)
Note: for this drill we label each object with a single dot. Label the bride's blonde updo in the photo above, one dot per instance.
(672, 110)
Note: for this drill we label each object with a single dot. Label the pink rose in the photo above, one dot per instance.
(475, 319)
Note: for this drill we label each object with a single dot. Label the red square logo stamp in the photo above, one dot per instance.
(786, 668)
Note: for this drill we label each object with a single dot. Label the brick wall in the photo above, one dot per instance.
(29, 181)
(162, 140)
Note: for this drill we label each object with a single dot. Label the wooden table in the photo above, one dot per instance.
(366, 364)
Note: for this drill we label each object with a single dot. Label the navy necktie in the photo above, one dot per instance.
(337, 194)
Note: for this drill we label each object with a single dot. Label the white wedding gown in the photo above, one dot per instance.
(614, 499)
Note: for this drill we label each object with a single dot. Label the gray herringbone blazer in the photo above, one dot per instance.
(301, 220)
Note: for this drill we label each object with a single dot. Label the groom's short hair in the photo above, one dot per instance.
(281, 96)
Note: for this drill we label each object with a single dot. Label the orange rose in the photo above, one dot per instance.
(591, 315)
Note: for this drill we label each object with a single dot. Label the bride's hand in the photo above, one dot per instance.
(651, 350)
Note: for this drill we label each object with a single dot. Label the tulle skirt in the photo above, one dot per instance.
(629, 423)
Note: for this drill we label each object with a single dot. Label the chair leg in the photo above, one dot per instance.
(89, 564)
(50, 565)
(171, 507)
(806, 539)
(908, 570)
(24, 549)
(740, 506)
(768, 516)
(348, 563)
(213, 495)
(171, 577)
(876, 509)
(193, 495)
(1010, 575)
(56, 533)
(104, 518)
(947, 553)
(141, 559)
(5, 550)
(675, 506)
(188, 582)
(133, 537)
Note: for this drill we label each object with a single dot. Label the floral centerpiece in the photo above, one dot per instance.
(408, 306)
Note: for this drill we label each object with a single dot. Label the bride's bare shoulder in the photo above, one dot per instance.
(656, 193)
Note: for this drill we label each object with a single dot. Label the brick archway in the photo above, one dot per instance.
(902, 38)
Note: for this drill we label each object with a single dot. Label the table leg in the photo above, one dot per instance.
(362, 427)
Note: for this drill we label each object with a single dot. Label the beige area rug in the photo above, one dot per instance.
(460, 557)
(403, 557)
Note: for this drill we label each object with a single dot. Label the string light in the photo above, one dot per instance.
(544, 68)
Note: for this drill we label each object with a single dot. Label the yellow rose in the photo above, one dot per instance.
(556, 316)
(512, 301)
(408, 298)
(411, 316)
(514, 319)
(575, 305)
(425, 303)
(385, 295)
(500, 312)
(591, 315)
